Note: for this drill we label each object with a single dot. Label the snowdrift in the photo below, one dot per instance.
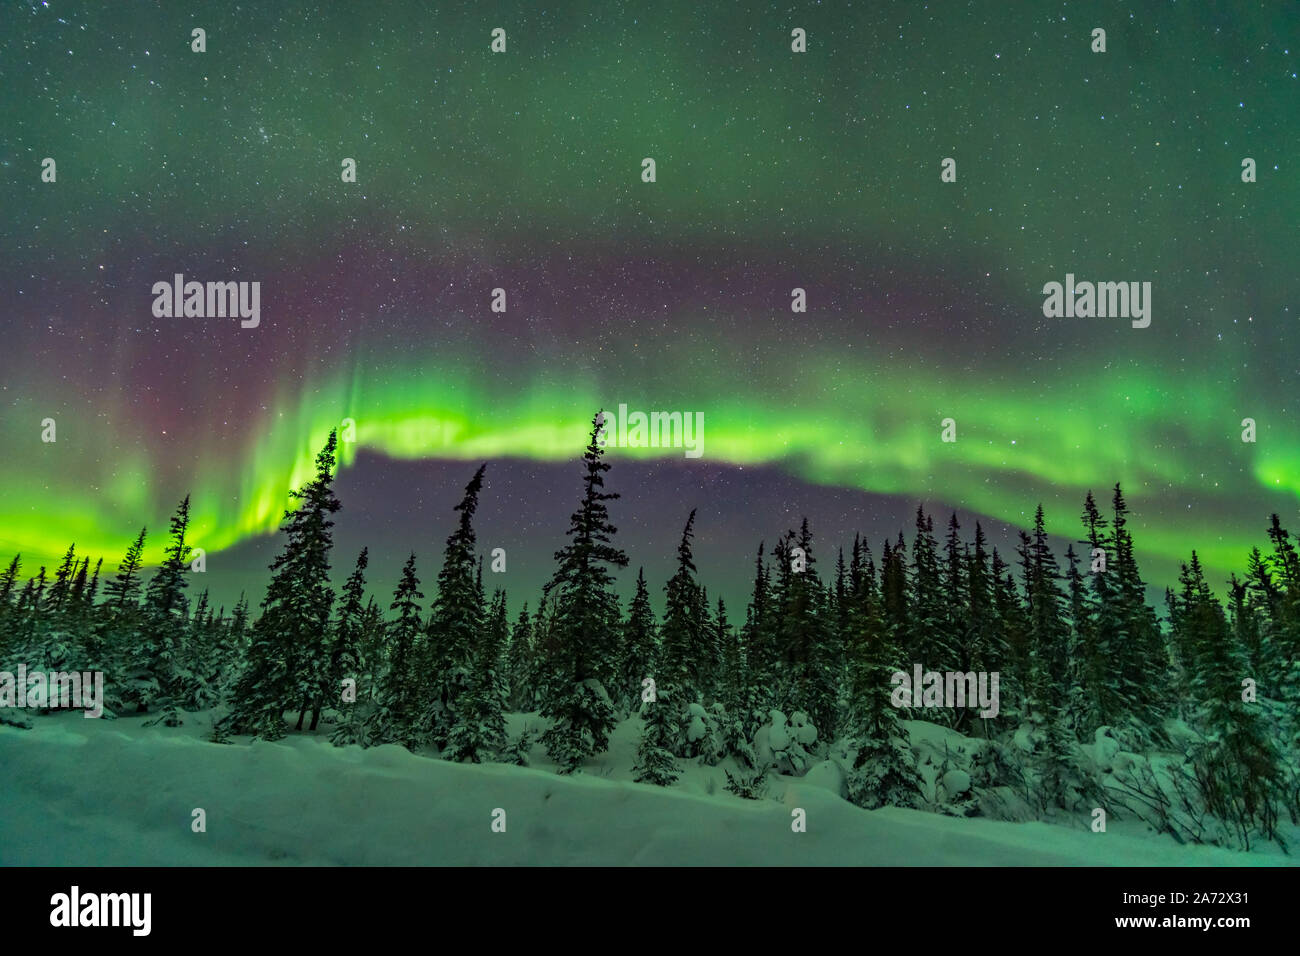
(98, 792)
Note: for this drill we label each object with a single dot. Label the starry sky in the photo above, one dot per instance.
(522, 170)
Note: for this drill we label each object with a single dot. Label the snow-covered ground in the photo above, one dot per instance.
(113, 792)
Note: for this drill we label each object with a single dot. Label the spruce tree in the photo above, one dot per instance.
(654, 756)
(740, 695)
(640, 637)
(803, 639)
(1049, 688)
(62, 586)
(8, 613)
(928, 614)
(157, 672)
(583, 662)
(705, 663)
(894, 601)
(759, 642)
(882, 772)
(480, 730)
(839, 613)
(986, 646)
(1080, 713)
(1137, 651)
(395, 719)
(455, 623)
(348, 660)
(124, 590)
(287, 660)
(681, 640)
(521, 667)
(954, 585)
(1237, 764)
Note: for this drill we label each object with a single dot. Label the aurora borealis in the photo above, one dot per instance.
(775, 170)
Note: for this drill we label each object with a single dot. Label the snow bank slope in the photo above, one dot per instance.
(80, 792)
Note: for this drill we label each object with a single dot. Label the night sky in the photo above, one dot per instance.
(522, 170)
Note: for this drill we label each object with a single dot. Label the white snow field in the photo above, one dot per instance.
(81, 792)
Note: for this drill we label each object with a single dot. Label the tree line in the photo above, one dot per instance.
(1080, 652)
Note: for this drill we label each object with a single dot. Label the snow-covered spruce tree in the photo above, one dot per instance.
(1108, 700)
(822, 685)
(398, 704)
(455, 623)
(986, 646)
(238, 630)
(894, 610)
(759, 642)
(492, 660)
(1022, 666)
(1010, 621)
(1236, 763)
(676, 666)
(803, 633)
(157, 676)
(287, 657)
(348, 660)
(9, 590)
(123, 590)
(955, 598)
(1283, 601)
(203, 658)
(374, 644)
(639, 642)
(708, 653)
(1280, 606)
(117, 626)
(779, 596)
(480, 730)
(61, 589)
(883, 769)
(89, 597)
(929, 617)
(1263, 599)
(43, 640)
(959, 639)
(545, 650)
(313, 678)
(1079, 706)
(1275, 583)
(584, 659)
(29, 623)
(8, 614)
(723, 645)
(48, 645)
(1049, 685)
(857, 590)
(86, 620)
(739, 695)
(654, 756)
(521, 666)
(1130, 632)
(1249, 623)
(838, 609)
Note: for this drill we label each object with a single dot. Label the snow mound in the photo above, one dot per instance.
(956, 782)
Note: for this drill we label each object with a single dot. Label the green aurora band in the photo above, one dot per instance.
(880, 436)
